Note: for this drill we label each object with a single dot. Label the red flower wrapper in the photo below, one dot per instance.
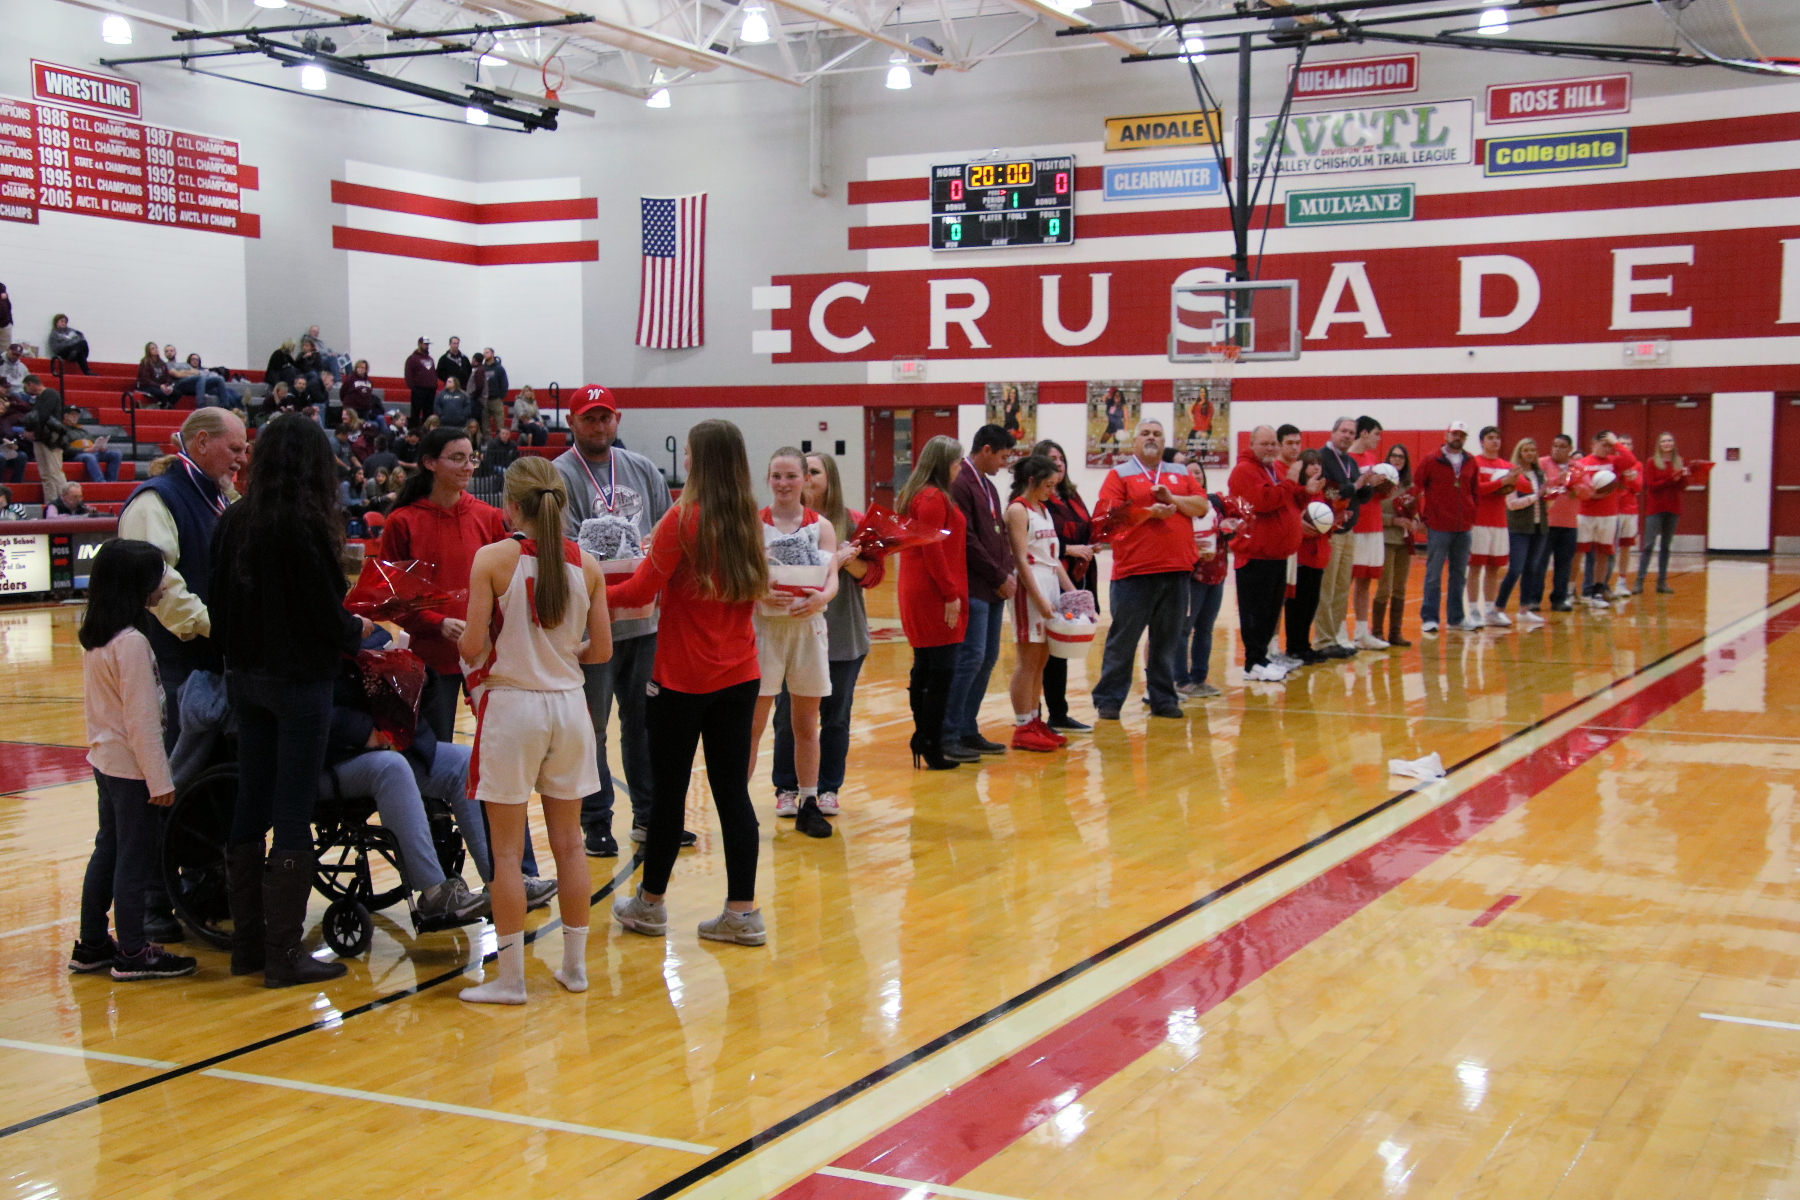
(1524, 485)
(387, 591)
(1118, 519)
(1406, 504)
(1699, 471)
(393, 680)
(883, 532)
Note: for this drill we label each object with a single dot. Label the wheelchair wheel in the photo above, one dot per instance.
(346, 853)
(348, 928)
(193, 853)
(445, 838)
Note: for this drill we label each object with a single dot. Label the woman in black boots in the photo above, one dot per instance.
(934, 600)
(277, 611)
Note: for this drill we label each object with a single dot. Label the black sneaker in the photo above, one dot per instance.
(1171, 711)
(981, 745)
(1562, 606)
(602, 844)
(810, 821)
(162, 928)
(1068, 723)
(1108, 714)
(152, 962)
(89, 960)
(641, 834)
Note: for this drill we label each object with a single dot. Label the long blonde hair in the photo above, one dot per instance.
(1517, 459)
(1656, 455)
(932, 469)
(728, 559)
(535, 487)
(831, 504)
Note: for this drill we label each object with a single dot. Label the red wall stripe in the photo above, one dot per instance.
(363, 196)
(372, 242)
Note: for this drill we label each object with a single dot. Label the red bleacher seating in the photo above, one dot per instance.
(76, 472)
(93, 493)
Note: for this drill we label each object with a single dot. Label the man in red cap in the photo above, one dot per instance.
(615, 500)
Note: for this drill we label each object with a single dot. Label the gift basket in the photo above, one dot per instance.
(1072, 623)
(796, 568)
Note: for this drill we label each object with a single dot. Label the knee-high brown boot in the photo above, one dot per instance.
(1396, 610)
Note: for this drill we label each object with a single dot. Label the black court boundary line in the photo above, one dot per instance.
(848, 1092)
(374, 1005)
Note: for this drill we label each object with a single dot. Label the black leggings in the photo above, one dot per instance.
(1302, 606)
(678, 722)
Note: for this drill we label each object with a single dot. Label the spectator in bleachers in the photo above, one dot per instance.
(281, 365)
(70, 345)
(422, 381)
(339, 364)
(49, 434)
(344, 452)
(15, 448)
(527, 420)
(13, 369)
(500, 451)
(234, 397)
(8, 510)
(194, 381)
(309, 363)
(350, 495)
(6, 317)
(477, 386)
(153, 378)
(375, 490)
(454, 364)
(359, 392)
(493, 401)
(454, 406)
(91, 452)
(70, 504)
(407, 449)
(276, 400)
(379, 457)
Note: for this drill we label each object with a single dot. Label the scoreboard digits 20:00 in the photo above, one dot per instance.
(990, 205)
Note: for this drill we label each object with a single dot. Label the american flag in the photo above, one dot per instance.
(671, 298)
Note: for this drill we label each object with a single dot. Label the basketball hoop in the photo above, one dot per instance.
(553, 68)
(1221, 358)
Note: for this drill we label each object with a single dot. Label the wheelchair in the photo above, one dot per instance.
(347, 846)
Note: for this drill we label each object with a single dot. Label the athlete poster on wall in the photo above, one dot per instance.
(1113, 406)
(1013, 407)
(1203, 421)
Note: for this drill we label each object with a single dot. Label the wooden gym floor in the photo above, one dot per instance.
(1222, 957)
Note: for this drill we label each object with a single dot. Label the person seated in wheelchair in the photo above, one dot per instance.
(361, 761)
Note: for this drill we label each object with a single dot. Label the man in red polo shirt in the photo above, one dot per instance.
(1598, 526)
(1151, 563)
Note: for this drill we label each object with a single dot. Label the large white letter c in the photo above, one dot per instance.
(815, 320)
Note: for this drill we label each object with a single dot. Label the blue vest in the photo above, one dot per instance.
(191, 504)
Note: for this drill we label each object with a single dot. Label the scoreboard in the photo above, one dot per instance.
(989, 205)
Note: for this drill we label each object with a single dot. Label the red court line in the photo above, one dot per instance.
(27, 765)
(953, 1135)
(1495, 909)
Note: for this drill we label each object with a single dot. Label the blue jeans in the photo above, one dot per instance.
(388, 776)
(12, 470)
(1526, 556)
(195, 385)
(1439, 548)
(123, 862)
(624, 678)
(834, 732)
(1204, 600)
(975, 660)
(91, 459)
(281, 750)
(1155, 602)
(1559, 546)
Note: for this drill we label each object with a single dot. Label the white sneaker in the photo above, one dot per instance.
(828, 803)
(1595, 602)
(745, 929)
(1206, 691)
(1621, 589)
(1496, 617)
(1286, 661)
(1368, 641)
(1472, 624)
(1429, 627)
(787, 804)
(640, 916)
(1527, 617)
(1268, 673)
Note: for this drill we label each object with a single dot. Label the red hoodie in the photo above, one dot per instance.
(446, 538)
(1274, 530)
(1449, 505)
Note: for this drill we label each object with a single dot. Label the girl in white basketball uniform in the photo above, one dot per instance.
(1041, 581)
(792, 645)
(522, 653)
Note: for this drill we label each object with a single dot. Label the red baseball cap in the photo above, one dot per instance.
(590, 397)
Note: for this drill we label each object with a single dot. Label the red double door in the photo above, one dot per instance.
(892, 438)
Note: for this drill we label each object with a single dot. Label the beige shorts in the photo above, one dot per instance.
(795, 652)
(1596, 533)
(533, 741)
(1489, 546)
(1628, 529)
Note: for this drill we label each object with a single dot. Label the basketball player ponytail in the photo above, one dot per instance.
(540, 495)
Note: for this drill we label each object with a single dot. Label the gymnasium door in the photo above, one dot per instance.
(1784, 522)
(1536, 417)
(1644, 419)
(892, 437)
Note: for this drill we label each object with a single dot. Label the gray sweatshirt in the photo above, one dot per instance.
(641, 493)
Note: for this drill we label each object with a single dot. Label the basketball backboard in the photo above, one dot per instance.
(1261, 317)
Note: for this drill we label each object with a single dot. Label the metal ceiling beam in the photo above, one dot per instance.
(1075, 25)
(655, 46)
(825, 16)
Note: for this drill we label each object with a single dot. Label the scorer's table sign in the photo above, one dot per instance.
(1438, 134)
(24, 563)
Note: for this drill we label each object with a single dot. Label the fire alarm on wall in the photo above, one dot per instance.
(823, 426)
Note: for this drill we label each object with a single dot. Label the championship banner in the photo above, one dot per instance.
(1113, 408)
(1203, 421)
(1437, 134)
(1013, 407)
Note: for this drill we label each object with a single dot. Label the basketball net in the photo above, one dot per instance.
(1221, 359)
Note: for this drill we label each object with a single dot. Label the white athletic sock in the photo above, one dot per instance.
(507, 987)
(812, 791)
(1023, 718)
(573, 973)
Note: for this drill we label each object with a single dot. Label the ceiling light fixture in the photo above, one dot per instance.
(1493, 22)
(312, 77)
(898, 77)
(490, 61)
(271, 3)
(115, 30)
(658, 99)
(475, 116)
(1193, 49)
(756, 26)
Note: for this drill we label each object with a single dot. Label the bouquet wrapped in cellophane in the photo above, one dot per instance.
(388, 591)
(885, 532)
(393, 680)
